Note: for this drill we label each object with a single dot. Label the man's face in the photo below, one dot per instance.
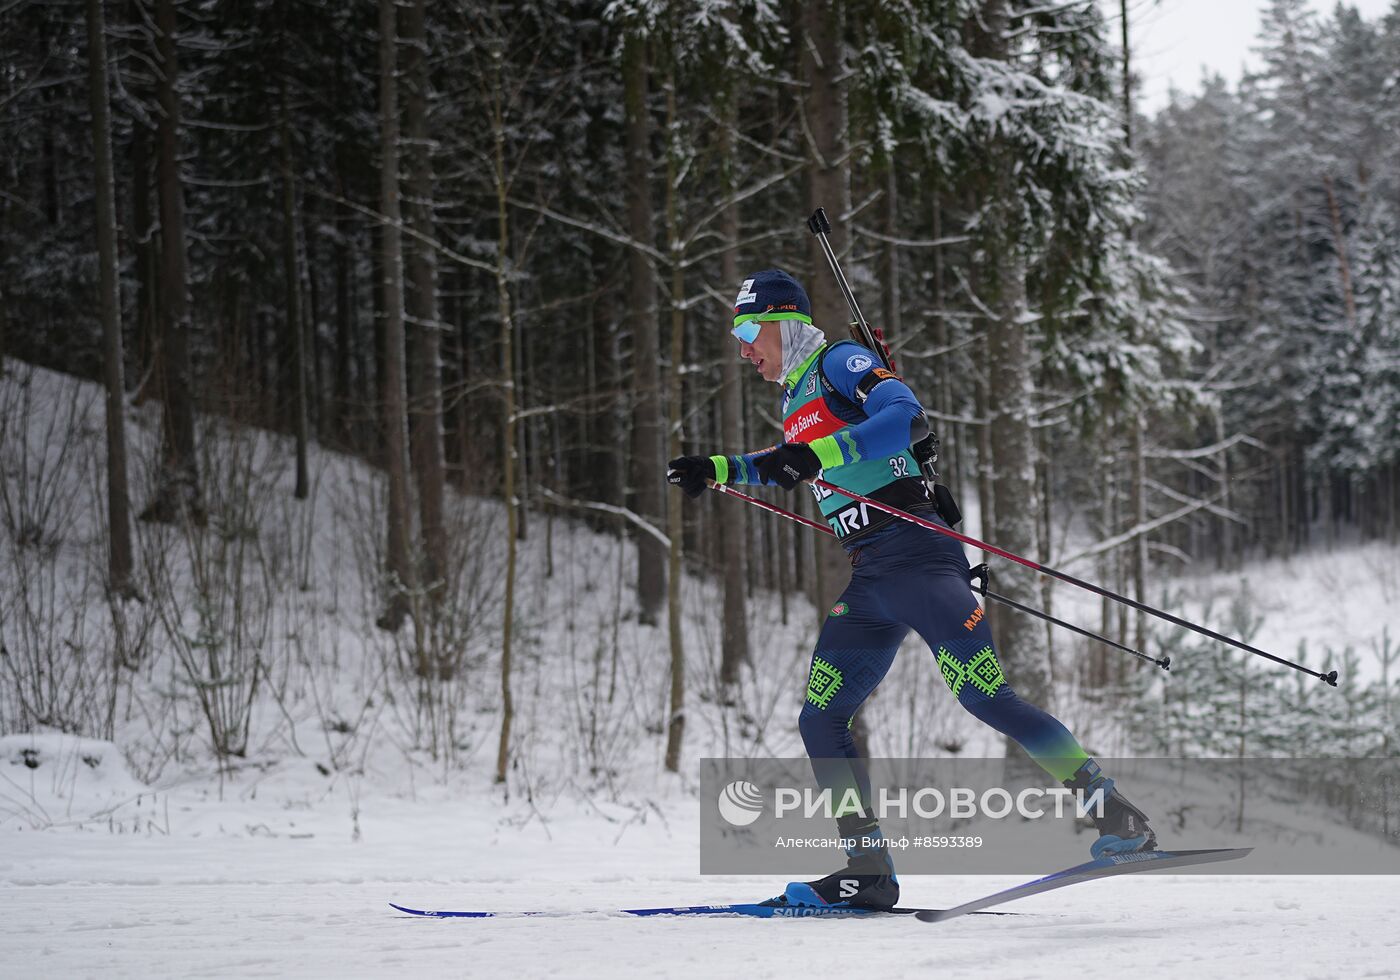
(766, 351)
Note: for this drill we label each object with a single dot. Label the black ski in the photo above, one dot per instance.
(1104, 867)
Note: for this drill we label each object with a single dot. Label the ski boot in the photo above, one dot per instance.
(1123, 827)
(867, 881)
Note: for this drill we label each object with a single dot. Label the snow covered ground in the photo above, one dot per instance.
(235, 900)
(276, 880)
(140, 857)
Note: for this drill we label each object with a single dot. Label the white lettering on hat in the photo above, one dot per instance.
(746, 293)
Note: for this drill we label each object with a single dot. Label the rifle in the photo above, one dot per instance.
(925, 450)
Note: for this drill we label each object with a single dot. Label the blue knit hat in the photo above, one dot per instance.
(771, 295)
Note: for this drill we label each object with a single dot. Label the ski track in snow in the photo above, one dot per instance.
(100, 904)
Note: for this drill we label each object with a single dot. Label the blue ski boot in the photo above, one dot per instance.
(1122, 827)
(867, 881)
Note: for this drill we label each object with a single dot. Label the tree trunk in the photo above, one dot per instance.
(822, 68)
(426, 427)
(986, 464)
(675, 728)
(177, 491)
(952, 454)
(781, 543)
(143, 246)
(312, 345)
(1099, 661)
(463, 416)
(607, 456)
(889, 258)
(523, 460)
(399, 568)
(1139, 559)
(733, 527)
(53, 211)
(347, 426)
(648, 464)
(508, 428)
(1044, 532)
(1139, 461)
(1127, 77)
(345, 432)
(8, 174)
(1012, 443)
(120, 561)
(292, 276)
(828, 168)
(1339, 241)
(1014, 467)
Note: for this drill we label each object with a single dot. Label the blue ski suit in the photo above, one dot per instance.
(903, 576)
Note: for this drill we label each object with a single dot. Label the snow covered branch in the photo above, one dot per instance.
(623, 512)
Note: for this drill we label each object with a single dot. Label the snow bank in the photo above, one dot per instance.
(51, 779)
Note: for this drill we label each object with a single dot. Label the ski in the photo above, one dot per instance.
(751, 910)
(1104, 867)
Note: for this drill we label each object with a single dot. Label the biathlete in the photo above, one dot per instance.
(850, 420)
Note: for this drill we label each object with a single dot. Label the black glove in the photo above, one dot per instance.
(690, 473)
(789, 465)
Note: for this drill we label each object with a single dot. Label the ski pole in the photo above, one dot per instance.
(1330, 676)
(771, 508)
(980, 572)
(984, 573)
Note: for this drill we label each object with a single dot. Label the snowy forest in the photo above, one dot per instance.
(344, 346)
